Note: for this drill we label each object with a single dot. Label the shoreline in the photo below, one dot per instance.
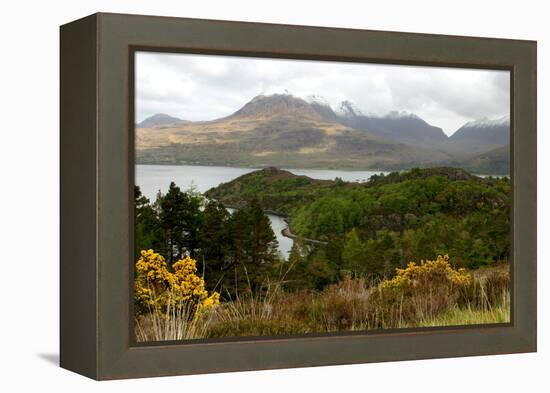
(349, 170)
(377, 171)
(286, 231)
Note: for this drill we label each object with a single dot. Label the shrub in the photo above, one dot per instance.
(345, 306)
(419, 292)
(487, 290)
(496, 284)
(255, 314)
(169, 304)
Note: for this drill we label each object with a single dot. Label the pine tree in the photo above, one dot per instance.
(294, 269)
(214, 243)
(173, 221)
(146, 224)
(238, 242)
(253, 247)
(193, 222)
(264, 243)
(353, 254)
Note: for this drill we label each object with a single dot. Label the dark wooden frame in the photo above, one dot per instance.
(97, 199)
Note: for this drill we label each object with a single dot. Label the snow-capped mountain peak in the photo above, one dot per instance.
(485, 122)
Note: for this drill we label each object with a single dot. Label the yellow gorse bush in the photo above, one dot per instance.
(156, 287)
(420, 291)
(437, 272)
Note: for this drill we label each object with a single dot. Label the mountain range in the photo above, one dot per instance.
(288, 131)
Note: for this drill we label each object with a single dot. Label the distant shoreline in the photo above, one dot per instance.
(376, 171)
(280, 167)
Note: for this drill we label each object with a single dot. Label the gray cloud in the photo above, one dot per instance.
(200, 87)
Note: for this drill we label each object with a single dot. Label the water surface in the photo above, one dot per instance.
(152, 178)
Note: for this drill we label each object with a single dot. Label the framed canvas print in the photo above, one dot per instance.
(242, 196)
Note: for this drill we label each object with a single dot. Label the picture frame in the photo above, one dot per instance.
(96, 195)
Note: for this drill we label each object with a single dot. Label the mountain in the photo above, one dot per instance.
(159, 119)
(399, 126)
(495, 161)
(277, 105)
(279, 130)
(323, 108)
(482, 135)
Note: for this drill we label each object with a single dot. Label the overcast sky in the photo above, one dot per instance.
(200, 87)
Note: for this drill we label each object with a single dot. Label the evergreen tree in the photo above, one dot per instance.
(382, 255)
(320, 271)
(253, 247)
(173, 221)
(263, 243)
(234, 279)
(193, 222)
(294, 269)
(353, 254)
(146, 224)
(214, 243)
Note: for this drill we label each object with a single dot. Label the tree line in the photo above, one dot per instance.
(371, 230)
(234, 251)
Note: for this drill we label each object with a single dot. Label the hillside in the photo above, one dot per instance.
(415, 214)
(495, 161)
(282, 191)
(278, 190)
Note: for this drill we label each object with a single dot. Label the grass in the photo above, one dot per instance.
(350, 305)
(357, 304)
(178, 321)
(470, 316)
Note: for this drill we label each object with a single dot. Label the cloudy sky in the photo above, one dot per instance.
(200, 87)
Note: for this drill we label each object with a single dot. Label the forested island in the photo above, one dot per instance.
(357, 275)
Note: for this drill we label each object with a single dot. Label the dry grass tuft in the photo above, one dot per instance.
(179, 320)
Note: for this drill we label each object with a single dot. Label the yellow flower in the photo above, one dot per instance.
(414, 274)
(156, 287)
